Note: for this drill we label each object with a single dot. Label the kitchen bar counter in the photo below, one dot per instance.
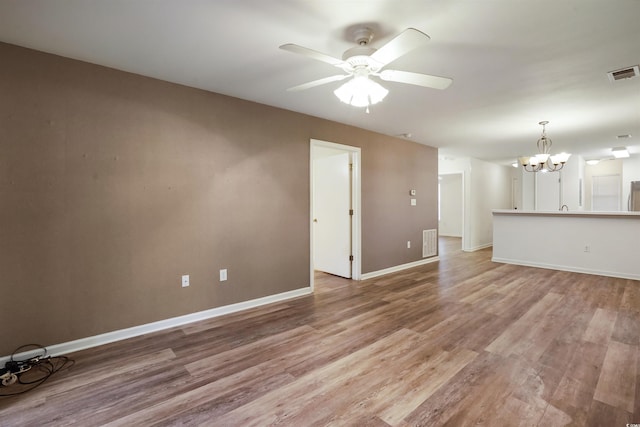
(618, 214)
(603, 243)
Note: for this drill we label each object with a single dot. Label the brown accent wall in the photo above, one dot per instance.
(113, 185)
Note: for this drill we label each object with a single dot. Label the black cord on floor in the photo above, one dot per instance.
(41, 368)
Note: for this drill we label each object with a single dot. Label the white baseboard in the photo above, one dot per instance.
(477, 248)
(569, 268)
(94, 341)
(401, 267)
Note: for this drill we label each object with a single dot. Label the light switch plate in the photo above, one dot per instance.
(185, 280)
(413, 202)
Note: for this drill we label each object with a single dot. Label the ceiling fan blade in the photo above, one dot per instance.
(434, 82)
(319, 82)
(312, 54)
(403, 43)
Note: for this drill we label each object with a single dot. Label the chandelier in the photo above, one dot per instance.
(544, 161)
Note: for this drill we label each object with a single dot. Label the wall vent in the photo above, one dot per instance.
(429, 243)
(624, 73)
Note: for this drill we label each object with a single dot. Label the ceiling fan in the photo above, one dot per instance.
(363, 61)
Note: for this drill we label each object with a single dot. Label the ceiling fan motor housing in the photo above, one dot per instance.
(363, 36)
(361, 57)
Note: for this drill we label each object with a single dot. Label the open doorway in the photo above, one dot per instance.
(335, 209)
(451, 210)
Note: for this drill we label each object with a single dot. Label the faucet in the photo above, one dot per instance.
(564, 206)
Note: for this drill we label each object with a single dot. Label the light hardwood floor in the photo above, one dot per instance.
(461, 342)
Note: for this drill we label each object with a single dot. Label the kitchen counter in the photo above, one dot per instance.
(617, 214)
(602, 243)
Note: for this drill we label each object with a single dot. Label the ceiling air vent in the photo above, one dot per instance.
(625, 73)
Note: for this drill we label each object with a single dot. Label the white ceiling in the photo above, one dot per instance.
(514, 63)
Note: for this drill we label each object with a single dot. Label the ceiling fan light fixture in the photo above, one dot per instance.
(361, 91)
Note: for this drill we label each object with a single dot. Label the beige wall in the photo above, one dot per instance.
(113, 185)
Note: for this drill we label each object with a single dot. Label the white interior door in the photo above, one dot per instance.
(331, 220)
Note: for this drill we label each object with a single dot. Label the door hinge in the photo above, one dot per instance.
(350, 166)
(350, 257)
(351, 212)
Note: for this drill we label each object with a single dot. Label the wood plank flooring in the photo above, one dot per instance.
(456, 343)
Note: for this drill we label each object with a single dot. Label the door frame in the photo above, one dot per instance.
(356, 226)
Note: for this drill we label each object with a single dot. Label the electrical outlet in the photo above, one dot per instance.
(408, 244)
(223, 275)
(185, 280)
